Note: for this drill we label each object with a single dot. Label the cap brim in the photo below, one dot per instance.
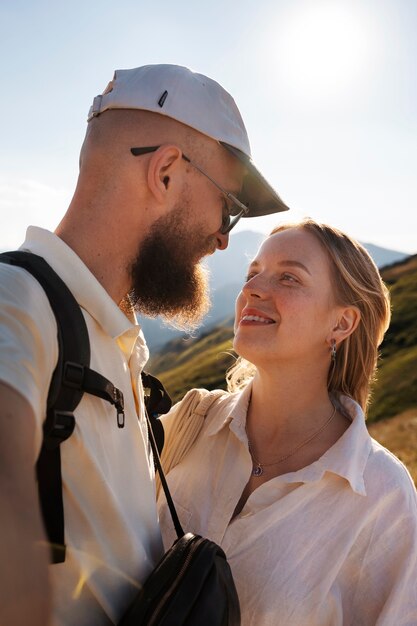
(256, 193)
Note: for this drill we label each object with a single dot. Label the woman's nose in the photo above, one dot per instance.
(254, 287)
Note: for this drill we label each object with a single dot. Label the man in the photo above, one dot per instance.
(165, 156)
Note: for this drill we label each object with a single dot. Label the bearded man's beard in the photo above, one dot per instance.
(167, 278)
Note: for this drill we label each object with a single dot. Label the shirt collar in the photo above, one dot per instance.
(347, 458)
(234, 414)
(89, 293)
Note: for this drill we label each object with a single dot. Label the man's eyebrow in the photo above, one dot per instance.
(287, 263)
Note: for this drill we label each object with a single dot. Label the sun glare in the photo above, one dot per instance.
(323, 49)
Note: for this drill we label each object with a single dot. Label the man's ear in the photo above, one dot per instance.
(163, 169)
(346, 323)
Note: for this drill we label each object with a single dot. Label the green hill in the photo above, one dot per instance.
(396, 388)
(203, 361)
(183, 364)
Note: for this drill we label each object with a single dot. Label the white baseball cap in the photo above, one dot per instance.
(196, 101)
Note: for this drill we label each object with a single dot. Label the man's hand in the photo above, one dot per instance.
(24, 585)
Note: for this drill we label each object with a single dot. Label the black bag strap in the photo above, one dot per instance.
(70, 379)
(202, 409)
(178, 528)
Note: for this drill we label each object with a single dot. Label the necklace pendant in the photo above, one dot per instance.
(257, 470)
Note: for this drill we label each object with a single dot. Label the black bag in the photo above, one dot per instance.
(192, 585)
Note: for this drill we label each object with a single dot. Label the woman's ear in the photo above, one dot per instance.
(347, 321)
(163, 168)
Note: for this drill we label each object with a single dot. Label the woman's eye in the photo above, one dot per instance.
(249, 276)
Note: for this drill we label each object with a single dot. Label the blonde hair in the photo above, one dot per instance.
(356, 282)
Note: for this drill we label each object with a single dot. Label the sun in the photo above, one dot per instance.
(324, 49)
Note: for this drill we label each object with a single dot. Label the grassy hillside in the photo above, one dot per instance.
(396, 387)
(399, 434)
(202, 362)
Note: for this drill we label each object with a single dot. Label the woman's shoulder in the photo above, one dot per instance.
(388, 473)
(184, 422)
(383, 471)
(198, 401)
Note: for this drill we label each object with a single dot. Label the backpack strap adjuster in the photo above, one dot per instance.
(60, 425)
(73, 375)
(119, 403)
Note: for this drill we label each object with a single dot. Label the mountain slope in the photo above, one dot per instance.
(396, 387)
(203, 362)
(200, 362)
(399, 434)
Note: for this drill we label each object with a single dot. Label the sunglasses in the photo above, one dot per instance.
(236, 209)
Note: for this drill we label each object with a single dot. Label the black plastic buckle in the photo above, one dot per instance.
(73, 375)
(120, 405)
(60, 426)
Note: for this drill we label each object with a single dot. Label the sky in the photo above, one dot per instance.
(327, 90)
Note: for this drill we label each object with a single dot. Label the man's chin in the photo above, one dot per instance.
(186, 319)
(209, 248)
(183, 308)
(208, 253)
(212, 247)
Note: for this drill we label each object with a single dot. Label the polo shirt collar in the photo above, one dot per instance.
(89, 293)
(347, 458)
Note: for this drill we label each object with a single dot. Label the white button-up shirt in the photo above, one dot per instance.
(333, 543)
(111, 526)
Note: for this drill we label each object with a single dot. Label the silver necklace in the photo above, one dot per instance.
(258, 467)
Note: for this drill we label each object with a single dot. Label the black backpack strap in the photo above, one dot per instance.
(70, 379)
(73, 354)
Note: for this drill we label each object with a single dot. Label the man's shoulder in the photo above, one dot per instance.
(28, 337)
(23, 300)
(18, 285)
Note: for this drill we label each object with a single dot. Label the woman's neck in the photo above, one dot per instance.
(287, 407)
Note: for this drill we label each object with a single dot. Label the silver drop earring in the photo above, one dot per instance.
(333, 351)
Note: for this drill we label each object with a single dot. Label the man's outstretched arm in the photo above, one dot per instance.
(24, 585)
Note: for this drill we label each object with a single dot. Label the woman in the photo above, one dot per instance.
(318, 521)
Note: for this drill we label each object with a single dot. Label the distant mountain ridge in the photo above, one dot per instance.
(227, 273)
(384, 256)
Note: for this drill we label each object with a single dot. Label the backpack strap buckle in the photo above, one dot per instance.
(120, 406)
(73, 375)
(59, 426)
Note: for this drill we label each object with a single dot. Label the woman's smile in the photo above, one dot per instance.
(251, 316)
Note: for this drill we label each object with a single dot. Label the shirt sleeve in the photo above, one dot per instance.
(387, 588)
(28, 339)
(180, 429)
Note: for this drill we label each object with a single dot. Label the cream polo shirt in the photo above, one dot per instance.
(333, 543)
(111, 528)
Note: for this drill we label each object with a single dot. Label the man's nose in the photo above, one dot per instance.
(222, 240)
